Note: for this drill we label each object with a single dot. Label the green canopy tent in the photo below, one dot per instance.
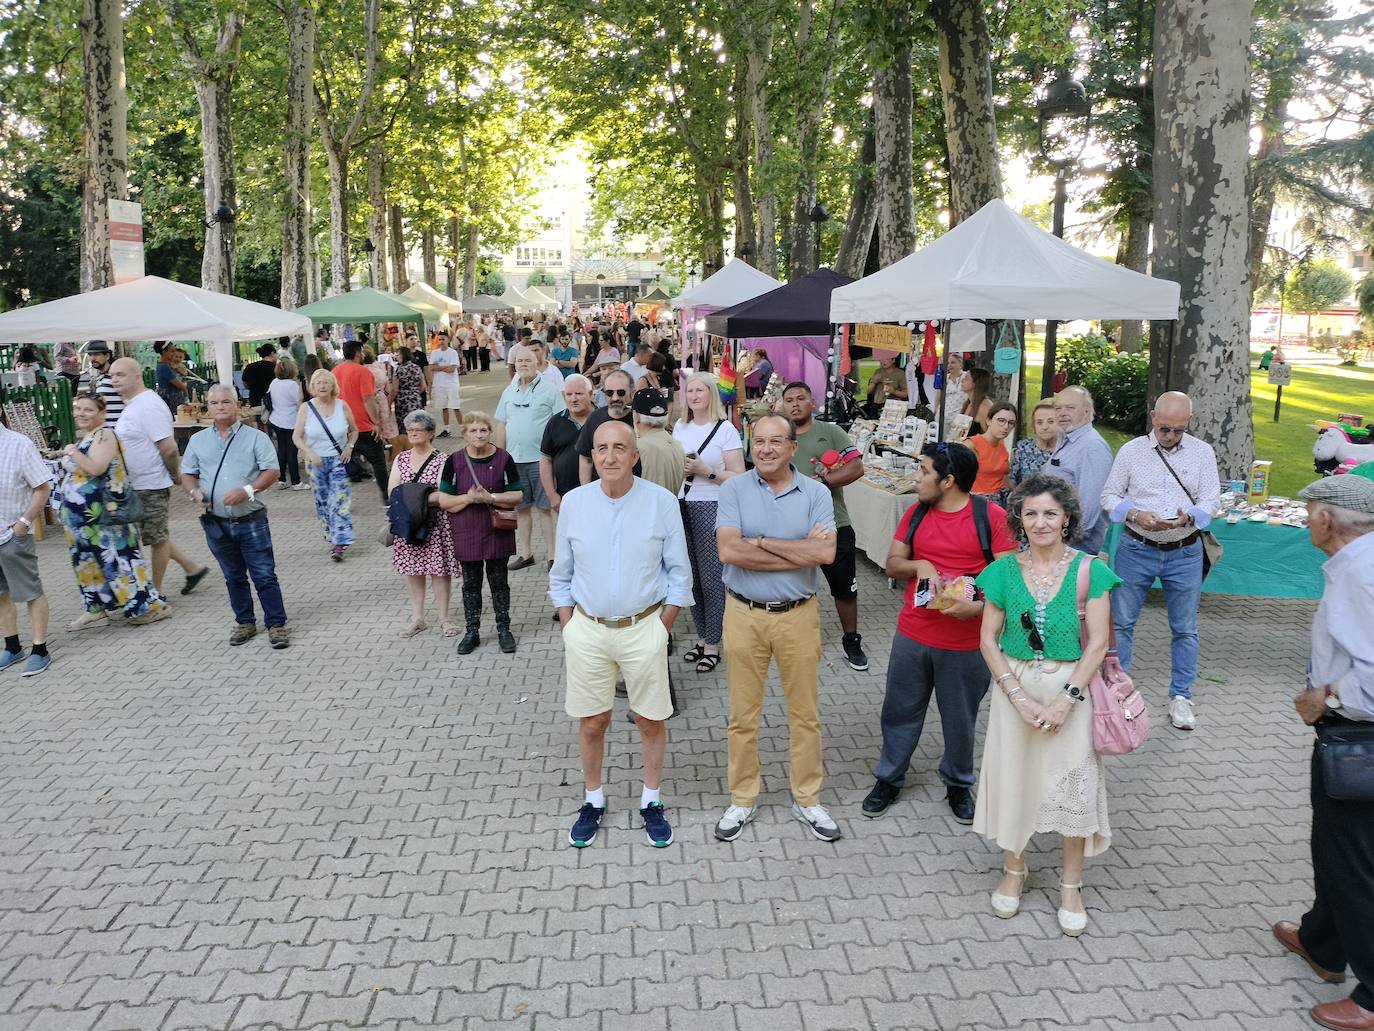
(368, 307)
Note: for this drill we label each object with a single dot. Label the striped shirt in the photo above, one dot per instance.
(101, 384)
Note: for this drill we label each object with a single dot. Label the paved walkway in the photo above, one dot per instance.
(364, 831)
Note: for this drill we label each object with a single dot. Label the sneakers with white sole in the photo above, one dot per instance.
(736, 816)
(818, 820)
(1181, 713)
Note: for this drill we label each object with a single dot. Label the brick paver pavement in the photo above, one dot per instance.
(365, 831)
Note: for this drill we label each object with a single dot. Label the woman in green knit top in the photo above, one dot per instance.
(1040, 773)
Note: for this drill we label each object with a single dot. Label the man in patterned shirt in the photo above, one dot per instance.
(1164, 488)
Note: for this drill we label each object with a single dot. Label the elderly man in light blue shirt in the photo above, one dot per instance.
(620, 577)
(225, 467)
(1085, 460)
(1338, 931)
(526, 405)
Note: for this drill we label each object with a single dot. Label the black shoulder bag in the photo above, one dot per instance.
(1211, 547)
(207, 518)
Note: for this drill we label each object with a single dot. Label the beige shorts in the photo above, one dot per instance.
(153, 527)
(594, 654)
(441, 397)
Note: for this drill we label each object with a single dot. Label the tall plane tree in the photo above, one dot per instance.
(212, 71)
(106, 141)
(299, 16)
(1201, 63)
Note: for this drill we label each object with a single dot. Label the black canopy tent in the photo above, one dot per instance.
(800, 308)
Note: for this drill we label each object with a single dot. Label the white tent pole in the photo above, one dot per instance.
(224, 358)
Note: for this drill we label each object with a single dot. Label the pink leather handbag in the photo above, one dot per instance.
(1120, 720)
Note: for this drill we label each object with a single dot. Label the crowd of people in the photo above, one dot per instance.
(648, 507)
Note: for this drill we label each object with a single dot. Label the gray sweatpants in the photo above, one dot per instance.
(958, 680)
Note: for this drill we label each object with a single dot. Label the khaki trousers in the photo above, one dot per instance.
(752, 639)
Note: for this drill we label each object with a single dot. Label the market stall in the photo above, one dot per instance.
(484, 304)
(735, 282)
(426, 294)
(541, 298)
(1261, 560)
(791, 322)
(366, 307)
(153, 308)
(874, 513)
(518, 301)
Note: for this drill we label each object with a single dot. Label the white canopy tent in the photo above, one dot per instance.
(427, 294)
(998, 265)
(538, 295)
(517, 300)
(153, 308)
(737, 281)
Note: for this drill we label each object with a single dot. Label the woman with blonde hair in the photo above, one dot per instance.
(715, 453)
(325, 434)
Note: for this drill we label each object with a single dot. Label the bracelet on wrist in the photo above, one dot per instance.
(1005, 676)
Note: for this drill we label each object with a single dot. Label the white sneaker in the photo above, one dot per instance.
(301, 486)
(816, 818)
(1181, 713)
(736, 816)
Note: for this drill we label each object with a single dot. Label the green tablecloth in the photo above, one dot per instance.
(1260, 561)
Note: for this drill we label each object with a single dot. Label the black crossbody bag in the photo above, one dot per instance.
(1345, 755)
(208, 518)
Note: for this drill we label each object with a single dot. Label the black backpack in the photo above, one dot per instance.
(981, 523)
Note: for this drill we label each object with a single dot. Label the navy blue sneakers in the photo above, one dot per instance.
(656, 828)
(588, 823)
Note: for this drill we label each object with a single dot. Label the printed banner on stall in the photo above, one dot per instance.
(883, 338)
(126, 240)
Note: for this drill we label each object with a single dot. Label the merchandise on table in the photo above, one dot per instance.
(1235, 507)
(1259, 482)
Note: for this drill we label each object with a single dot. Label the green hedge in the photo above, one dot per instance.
(1119, 383)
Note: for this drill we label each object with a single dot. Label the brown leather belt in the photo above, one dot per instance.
(1169, 546)
(623, 621)
(771, 606)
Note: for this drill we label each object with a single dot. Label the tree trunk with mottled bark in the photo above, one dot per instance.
(746, 241)
(975, 174)
(816, 56)
(765, 200)
(338, 140)
(376, 216)
(471, 238)
(1272, 146)
(455, 257)
(1201, 80)
(213, 76)
(106, 143)
(863, 211)
(428, 259)
(1136, 257)
(892, 150)
(400, 274)
(300, 118)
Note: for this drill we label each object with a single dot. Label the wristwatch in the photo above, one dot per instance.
(711, 477)
(1074, 692)
(25, 521)
(1333, 702)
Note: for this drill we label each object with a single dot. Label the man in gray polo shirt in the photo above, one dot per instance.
(225, 467)
(774, 530)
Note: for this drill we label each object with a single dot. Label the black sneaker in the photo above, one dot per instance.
(854, 653)
(960, 804)
(882, 796)
(506, 640)
(583, 832)
(656, 828)
(193, 580)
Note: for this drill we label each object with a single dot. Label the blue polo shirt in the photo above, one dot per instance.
(750, 505)
(246, 452)
(525, 410)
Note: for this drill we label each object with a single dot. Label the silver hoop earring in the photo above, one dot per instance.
(1066, 533)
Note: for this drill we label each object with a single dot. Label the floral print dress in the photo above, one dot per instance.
(110, 570)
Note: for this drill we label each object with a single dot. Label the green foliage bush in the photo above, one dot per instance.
(1119, 383)
(493, 284)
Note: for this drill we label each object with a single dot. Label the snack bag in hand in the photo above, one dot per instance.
(945, 593)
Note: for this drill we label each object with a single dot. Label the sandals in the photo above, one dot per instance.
(1072, 924)
(449, 627)
(1007, 906)
(694, 653)
(413, 629)
(708, 662)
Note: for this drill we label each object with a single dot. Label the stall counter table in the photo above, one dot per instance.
(874, 513)
(1260, 561)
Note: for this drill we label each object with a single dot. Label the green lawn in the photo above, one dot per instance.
(1317, 392)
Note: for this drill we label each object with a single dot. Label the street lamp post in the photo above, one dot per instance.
(819, 216)
(746, 252)
(1065, 116)
(224, 216)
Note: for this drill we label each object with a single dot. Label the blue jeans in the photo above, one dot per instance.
(1180, 574)
(244, 550)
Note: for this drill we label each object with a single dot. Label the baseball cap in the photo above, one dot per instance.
(1355, 493)
(655, 403)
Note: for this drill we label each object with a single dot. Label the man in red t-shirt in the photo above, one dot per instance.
(936, 650)
(358, 389)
